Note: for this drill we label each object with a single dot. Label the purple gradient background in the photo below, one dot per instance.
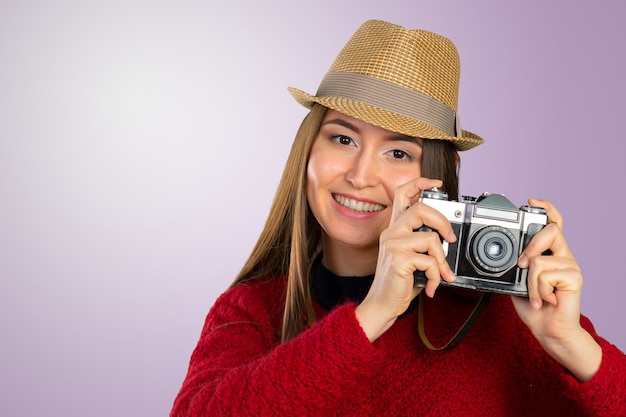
(141, 144)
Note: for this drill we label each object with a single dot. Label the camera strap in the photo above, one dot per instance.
(480, 306)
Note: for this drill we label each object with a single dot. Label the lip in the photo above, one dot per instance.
(357, 205)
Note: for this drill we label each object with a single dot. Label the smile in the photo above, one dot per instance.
(357, 205)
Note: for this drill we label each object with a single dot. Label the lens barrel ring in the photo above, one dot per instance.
(493, 249)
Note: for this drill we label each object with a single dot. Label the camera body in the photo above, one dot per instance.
(491, 234)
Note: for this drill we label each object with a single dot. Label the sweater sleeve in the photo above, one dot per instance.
(605, 394)
(239, 368)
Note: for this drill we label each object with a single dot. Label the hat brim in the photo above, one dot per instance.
(387, 120)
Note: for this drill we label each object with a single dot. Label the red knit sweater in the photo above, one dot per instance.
(239, 368)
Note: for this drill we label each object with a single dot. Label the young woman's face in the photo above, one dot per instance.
(353, 172)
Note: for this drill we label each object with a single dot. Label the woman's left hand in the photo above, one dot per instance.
(552, 310)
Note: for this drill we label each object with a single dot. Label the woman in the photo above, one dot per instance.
(323, 318)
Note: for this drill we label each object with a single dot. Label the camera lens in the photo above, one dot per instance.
(493, 249)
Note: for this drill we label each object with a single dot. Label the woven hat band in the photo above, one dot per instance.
(391, 97)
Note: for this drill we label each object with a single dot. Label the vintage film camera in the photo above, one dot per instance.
(491, 234)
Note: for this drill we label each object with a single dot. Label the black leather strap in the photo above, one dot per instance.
(480, 306)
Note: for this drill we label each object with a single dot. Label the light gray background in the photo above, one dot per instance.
(141, 143)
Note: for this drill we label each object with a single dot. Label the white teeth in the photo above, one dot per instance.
(357, 205)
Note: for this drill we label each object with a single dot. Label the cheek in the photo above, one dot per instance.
(315, 177)
(310, 189)
(322, 169)
(393, 180)
(312, 176)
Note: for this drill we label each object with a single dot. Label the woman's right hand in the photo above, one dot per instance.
(403, 251)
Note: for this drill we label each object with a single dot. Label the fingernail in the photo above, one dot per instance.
(450, 275)
(523, 261)
(535, 303)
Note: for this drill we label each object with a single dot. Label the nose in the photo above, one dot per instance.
(364, 172)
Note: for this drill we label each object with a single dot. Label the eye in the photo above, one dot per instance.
(401, 155)
(342, 140)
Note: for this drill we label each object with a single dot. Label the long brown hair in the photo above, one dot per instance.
(291, 237)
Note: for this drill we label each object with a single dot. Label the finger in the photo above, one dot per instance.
(550, 238)
(554, 216)
(545, 287)
(534, 283)
(406, 247)
(429, 243)
(422, 214)
(408, 193)
(419, 215)
(549, 274)
(430, 267)
(434, 266)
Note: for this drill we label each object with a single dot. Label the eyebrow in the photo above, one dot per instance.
(389, 138)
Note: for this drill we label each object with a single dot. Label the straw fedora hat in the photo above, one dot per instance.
(405, 81)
